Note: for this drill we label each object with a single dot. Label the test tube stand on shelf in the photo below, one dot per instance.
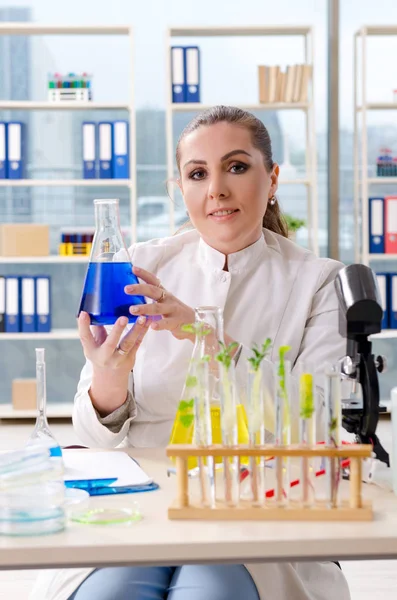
(69, 94)
(353, 509)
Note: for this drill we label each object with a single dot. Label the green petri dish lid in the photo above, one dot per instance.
(107, 516)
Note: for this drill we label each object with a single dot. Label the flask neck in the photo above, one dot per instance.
(209, 329)
(108, 240)
(107, 215)
(41, 394)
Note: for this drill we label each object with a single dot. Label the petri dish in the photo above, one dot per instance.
(27, 523)
(108, 516)
(75, 500)
(14, 461)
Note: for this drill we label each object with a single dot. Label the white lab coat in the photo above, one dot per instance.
(274, 289)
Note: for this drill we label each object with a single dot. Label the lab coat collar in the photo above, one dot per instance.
(243, 260)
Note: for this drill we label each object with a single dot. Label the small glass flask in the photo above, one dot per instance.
(109, 270)
(41, 435)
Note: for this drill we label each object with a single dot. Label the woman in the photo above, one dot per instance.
(238, 257)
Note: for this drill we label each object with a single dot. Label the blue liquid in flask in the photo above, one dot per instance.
(103, 296)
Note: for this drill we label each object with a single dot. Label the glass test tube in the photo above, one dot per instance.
(332, 405)
(307, 430)
(283, 429)
(203, 433)
(231, 465)
(256, 430)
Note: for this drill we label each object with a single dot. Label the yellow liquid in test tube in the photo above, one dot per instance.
(184, 435)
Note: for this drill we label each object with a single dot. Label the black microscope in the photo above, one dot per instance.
(360, 315)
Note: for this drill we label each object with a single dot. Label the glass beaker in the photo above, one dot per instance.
(41, 435)
(109, 270)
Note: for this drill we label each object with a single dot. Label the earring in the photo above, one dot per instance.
(272, 200)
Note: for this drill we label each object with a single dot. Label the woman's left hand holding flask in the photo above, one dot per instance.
(112, 358)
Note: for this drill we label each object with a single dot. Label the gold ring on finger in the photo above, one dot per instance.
(121, 351)
(162, 295)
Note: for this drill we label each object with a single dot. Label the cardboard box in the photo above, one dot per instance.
(24, 239)
(24, 394)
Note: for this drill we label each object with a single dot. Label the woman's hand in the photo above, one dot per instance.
(172, 311)
(108, 351)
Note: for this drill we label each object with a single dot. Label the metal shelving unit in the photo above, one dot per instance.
(362, 182)
(35, 29)
(308, 109)
(38, 260)
(31, 29)
(66, 183)
(54, 411)
(54, 334)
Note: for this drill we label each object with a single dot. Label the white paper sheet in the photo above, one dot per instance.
(85, 464)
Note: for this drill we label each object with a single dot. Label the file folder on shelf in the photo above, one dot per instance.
(89, 150)
(192, 74)
(376, 225)
(15, 150)
(121, 156)
(383, 285)
(391, 224)
(3, 150)
(28, 316)
(178, 74)
(105, 136)
(2, 304)
(12, 324)
(43, 304)
(393, 301)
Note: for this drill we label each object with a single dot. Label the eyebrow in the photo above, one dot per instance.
(225, 157)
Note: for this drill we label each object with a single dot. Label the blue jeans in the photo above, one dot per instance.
(195, 582)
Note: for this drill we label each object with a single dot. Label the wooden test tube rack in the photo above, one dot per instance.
(352, 509)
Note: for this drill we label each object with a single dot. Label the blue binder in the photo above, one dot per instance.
(3, 150)
(383, 285)
(89, 150)
(192, 73)
(15, 150)
(2, 304)
(121, 155)
(178, 74)
(43, 304)
(12, 305)
(105, 137)
(376, 225)
(28, 304)
(393, 300)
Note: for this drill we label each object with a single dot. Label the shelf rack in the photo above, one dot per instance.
(33, 29)
(362, 182)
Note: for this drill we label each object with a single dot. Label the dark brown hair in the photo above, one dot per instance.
(273, 218)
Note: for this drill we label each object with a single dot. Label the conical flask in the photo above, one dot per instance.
(109, 270)
(216, 381)
(41, 435)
